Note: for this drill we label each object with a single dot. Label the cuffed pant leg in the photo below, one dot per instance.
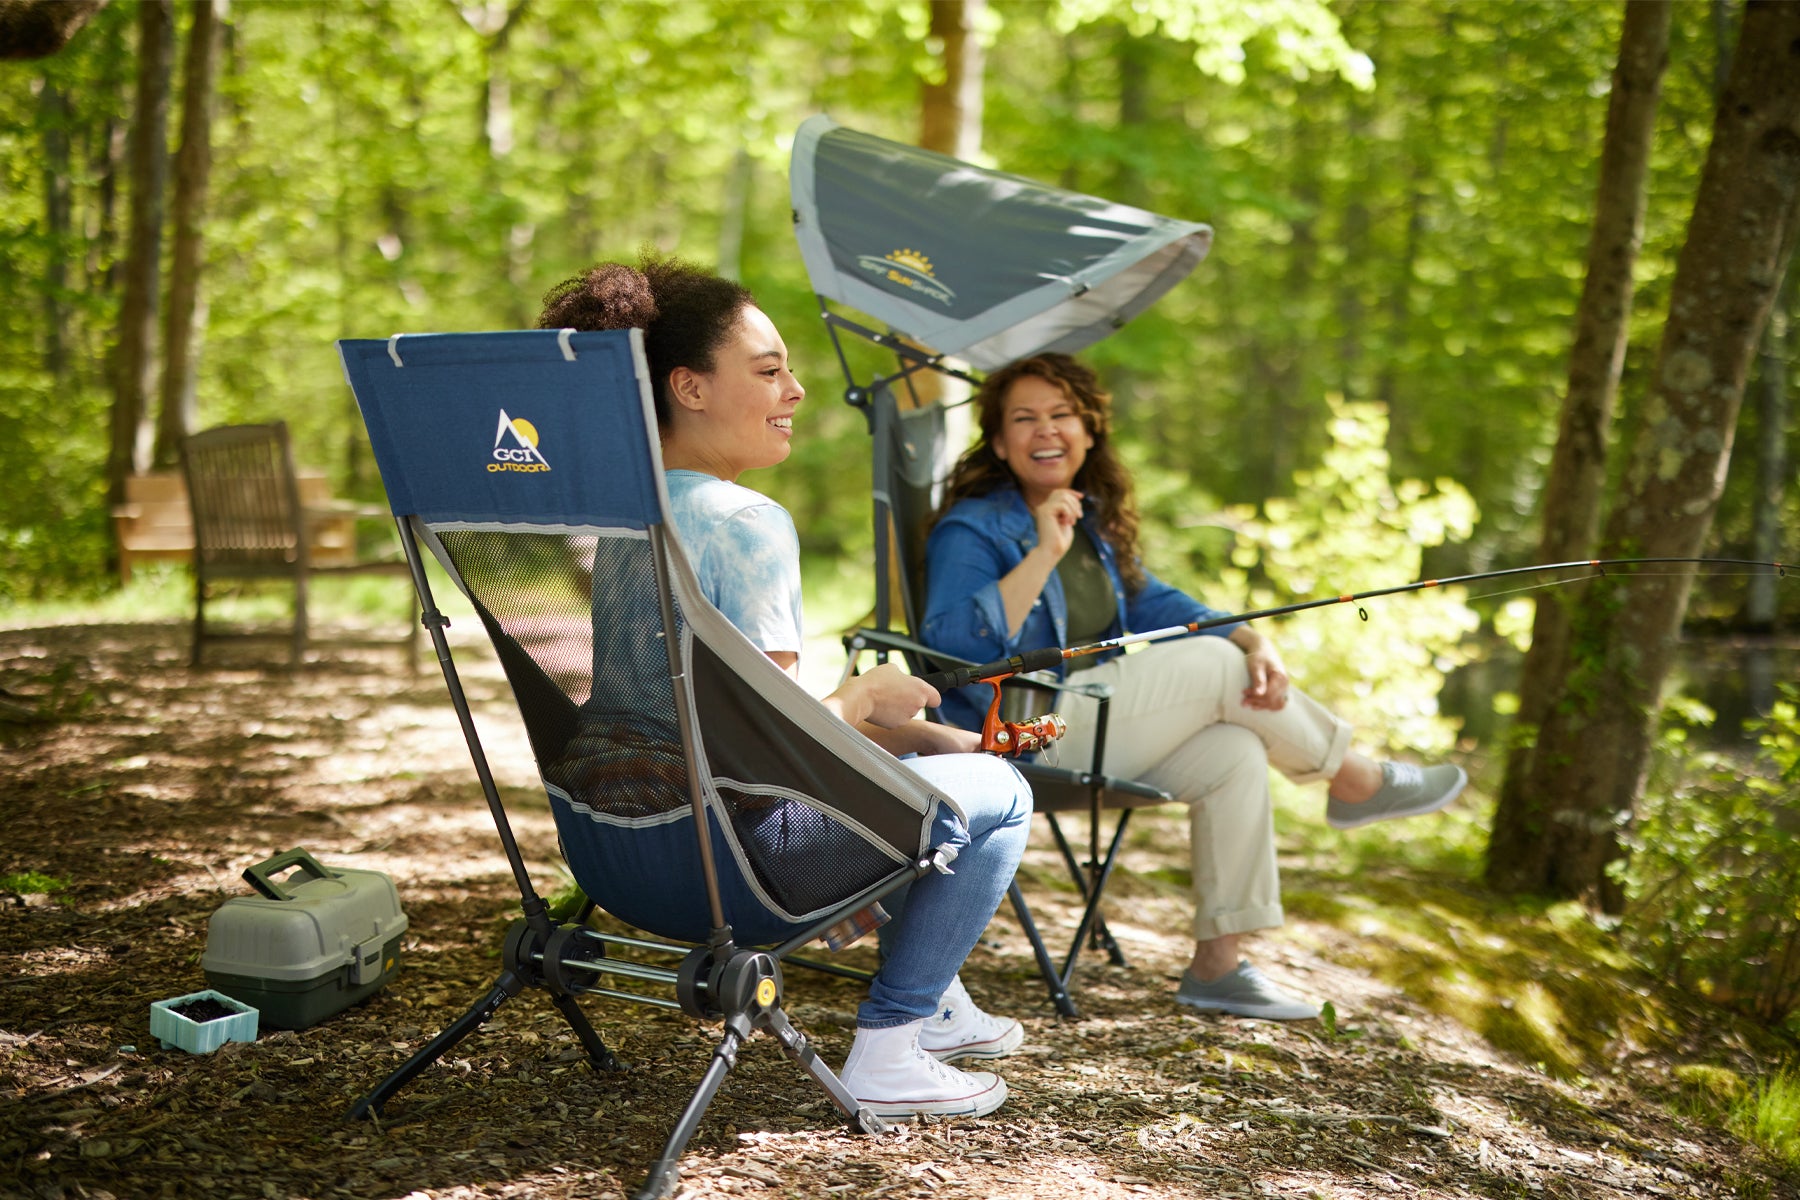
(1222, 774)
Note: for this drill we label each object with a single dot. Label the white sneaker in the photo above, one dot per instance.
(889, 1074)
(960, 1029)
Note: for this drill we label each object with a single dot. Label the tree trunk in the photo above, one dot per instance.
(1587, 768)
(1573, 490)
(950, 112)
(949, 123)
(193, 165)
(1762, 604)
(134, 366)
(494, 21)
(103, 151)
(54, 118)
(733, 214)
(39, 28)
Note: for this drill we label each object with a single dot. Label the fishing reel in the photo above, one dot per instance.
(1013, 738)
(1009, 738)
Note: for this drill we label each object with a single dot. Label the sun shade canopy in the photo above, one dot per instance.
(977, 264)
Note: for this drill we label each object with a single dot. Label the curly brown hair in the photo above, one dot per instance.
(1103, 478)
(686, 312)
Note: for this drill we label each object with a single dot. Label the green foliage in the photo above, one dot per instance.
(1714, 870)
(1765, 1112)
(1304, 34)
(1770, 1116)
(383, 167)
(1328, 1019)
(28, 883)
(1346, 528)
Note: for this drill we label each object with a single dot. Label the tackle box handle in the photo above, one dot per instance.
(258, 876)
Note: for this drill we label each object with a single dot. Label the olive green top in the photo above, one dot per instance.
(1088, 591)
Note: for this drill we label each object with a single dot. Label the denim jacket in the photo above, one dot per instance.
(976, 544)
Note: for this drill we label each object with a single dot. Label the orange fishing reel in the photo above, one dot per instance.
(1013, 738)
(1009, 738)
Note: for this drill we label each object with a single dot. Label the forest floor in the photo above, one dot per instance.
(142, 788)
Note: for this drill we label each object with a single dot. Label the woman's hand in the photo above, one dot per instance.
(885, 696)
(1020, 587)
(1268, 673)
(1056, 517)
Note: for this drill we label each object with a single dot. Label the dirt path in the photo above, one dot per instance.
(150, 787)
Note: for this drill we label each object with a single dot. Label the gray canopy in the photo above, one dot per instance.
(977, 264)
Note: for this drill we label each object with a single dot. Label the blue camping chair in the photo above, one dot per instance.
(698, 793)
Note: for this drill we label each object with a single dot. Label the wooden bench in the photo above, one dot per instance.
(156, 522)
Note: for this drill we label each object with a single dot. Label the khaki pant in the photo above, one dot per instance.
(1177, 721)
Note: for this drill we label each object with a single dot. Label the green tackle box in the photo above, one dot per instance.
(307, 947)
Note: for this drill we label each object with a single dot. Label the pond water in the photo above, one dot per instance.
(1735, 677)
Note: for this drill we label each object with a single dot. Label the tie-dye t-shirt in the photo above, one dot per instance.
(743, 547)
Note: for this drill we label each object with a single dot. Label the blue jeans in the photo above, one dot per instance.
(943, 916)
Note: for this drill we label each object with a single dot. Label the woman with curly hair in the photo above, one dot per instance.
(1036, 545)
(727, 402)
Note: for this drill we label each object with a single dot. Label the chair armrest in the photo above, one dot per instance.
(858, 640)
(1037, 679)
(861, 639)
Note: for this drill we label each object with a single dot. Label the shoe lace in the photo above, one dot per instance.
(1407, 776)
(939, 1070)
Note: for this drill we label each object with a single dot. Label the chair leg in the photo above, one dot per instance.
(199, 616)
(599, 1056)
(415, 620)
(1086, 878)
(299, 650)
(667, 1168)
(1053, 980)
(743, 986)
(795, 1045)
(1096, 891)
(505, 988)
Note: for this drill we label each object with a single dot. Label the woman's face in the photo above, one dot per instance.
(1042, 438)
(744, 415)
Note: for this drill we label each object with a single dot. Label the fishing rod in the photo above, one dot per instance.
(1022, 737)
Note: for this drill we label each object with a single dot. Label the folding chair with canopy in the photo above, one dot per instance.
(957, 261)
(698, 793)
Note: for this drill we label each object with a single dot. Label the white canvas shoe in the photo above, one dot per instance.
(889, 1074)
(959, 1029)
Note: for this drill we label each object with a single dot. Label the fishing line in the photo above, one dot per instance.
(1009, 737)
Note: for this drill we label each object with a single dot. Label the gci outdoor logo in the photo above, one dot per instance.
(910, 269)
(516, 446)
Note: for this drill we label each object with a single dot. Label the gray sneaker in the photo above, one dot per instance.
(1406, 791)
(1246, 992)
